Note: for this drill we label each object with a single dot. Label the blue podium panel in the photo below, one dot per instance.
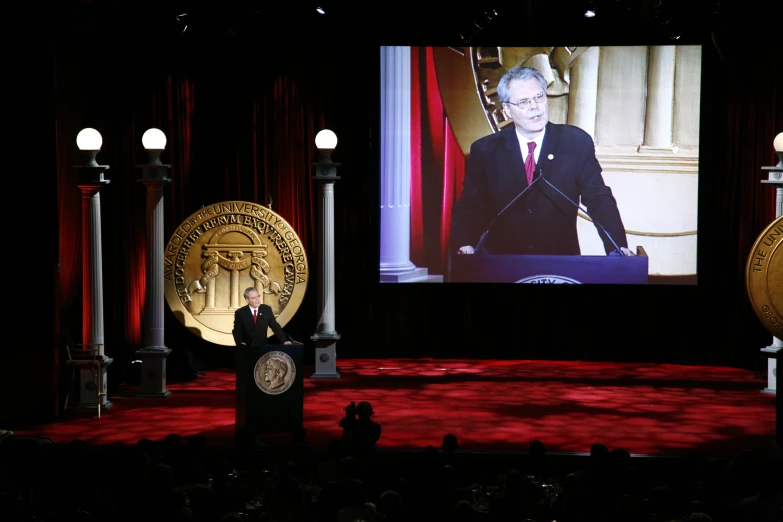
(483, 268)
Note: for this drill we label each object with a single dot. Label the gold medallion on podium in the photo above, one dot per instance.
(274, 372)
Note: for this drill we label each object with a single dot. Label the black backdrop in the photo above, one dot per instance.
(122, 67)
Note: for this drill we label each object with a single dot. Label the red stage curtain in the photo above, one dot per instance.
(266, 149)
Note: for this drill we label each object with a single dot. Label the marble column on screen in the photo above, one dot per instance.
(775, 178)
(92, 290)
(687, 100)
(584, 91)
(660, 100)
(154, 352)
(395, 263)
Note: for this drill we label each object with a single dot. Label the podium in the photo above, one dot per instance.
(488, 268)
(270, 388)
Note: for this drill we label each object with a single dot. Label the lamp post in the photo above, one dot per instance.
(154, 175)
(90, 181)
(775, 178)
(326, 337)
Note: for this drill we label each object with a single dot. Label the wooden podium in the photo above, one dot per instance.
(269, 402)
(487, 268)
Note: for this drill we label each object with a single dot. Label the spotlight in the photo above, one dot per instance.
(589, 13)
(663, 12)
(320, 10)
(181, 23)
(479, 24)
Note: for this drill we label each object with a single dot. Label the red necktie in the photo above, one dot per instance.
(530, 162)
(255, 315)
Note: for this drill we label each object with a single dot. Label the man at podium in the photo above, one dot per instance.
(252, 320)
(523, 184)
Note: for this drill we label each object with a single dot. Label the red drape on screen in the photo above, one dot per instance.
(417, 218)
(453, 175)
(437, 166)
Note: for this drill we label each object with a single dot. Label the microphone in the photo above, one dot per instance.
(579, 207)
(484, 235)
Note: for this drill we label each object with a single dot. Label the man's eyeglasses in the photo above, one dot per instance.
(524, 104)
(252, 297)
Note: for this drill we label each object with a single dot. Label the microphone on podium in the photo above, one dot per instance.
(579, 207)
(484, 235)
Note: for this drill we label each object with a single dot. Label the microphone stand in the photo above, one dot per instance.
(579, 207)
(484, 235)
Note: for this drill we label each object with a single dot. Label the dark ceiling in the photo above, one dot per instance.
(729, 23)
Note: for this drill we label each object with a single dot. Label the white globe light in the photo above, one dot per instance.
(89, 139)
(326, 139)
(778, 143)
(154, 139)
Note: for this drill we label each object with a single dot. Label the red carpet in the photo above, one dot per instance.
(649, 409)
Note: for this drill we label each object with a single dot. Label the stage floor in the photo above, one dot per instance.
(644, 408)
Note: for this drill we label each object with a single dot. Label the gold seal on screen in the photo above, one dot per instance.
(764, 277)
(218, 252)
(472, 75)
(274, 372)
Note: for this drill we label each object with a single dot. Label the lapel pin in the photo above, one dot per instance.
(551, 157)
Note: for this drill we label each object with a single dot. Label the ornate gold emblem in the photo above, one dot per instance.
(469, 76)
(274, 372)
(764, 277)
(222, 249)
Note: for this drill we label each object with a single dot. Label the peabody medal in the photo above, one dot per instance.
(218, 252)
(274, 372)
(764, 277)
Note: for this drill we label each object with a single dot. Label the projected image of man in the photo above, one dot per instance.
(553, 167)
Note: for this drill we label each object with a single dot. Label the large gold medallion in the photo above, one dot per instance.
(764, 277)
(274, 372)
(218, 252)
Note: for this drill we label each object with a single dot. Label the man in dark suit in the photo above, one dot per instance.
(502, 165)
(252, 320)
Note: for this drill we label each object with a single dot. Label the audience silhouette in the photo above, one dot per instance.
(185, 479)
(360, 432)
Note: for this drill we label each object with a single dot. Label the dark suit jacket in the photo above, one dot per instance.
(541, 221)
(254, 334)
